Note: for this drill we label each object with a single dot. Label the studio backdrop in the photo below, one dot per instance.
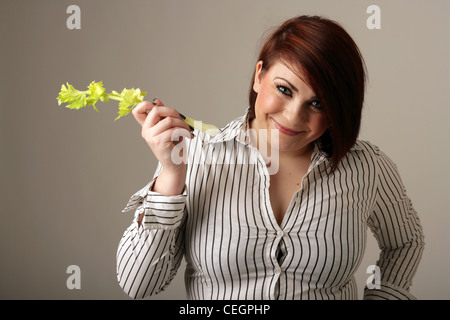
(66, 175)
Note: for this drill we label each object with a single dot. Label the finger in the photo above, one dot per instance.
(141, 110)
(174, 135)
(158, 113)
(152, 121)
(169, 123)
(157, 102)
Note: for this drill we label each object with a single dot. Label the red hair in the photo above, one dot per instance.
(334, 68)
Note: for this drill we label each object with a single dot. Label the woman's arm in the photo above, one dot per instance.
(397, 228)
(151, 249)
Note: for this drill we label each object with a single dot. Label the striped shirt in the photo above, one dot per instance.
(224, 227)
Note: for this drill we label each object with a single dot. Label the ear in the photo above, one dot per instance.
(258, 76)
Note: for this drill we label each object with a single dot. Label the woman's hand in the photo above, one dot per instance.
(163, 129)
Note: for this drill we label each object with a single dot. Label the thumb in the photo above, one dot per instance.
(157, 102)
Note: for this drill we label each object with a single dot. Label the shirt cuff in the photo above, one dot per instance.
(137, 199)
(160, 212)
(387, 292)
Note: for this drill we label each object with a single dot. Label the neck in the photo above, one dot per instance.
(303, 153)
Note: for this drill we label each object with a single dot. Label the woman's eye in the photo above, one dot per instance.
(285, 90)
(316, 104)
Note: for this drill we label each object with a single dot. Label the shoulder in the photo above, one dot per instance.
(364, 153)
(367, 152)
(365, 147)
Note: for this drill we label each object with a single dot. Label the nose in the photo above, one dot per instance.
(297, 113)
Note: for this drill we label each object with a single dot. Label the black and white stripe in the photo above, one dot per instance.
(224, 227)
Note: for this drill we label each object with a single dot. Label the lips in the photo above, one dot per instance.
(285, 130)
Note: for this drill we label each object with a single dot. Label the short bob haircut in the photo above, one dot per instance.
(334, 68)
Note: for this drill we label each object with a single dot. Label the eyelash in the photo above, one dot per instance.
(284, 90)
(318, 106)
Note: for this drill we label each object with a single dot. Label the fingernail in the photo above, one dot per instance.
(153, 101)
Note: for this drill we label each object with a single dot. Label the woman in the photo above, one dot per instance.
(297, 232)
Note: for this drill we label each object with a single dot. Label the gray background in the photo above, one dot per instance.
(66, 175)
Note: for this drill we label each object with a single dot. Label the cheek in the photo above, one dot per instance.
(267, 102)
(318, 124)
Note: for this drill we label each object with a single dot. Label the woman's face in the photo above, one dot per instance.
(286, 103)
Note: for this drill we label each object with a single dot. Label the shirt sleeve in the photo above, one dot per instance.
(398, 231)
(149, 254)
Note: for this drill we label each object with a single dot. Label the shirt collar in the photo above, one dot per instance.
(236, 129)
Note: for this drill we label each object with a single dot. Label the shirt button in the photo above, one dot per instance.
(280, 233)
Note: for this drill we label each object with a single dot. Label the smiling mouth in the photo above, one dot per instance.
(285, 130)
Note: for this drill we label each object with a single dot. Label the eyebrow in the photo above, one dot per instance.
(293, 88)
